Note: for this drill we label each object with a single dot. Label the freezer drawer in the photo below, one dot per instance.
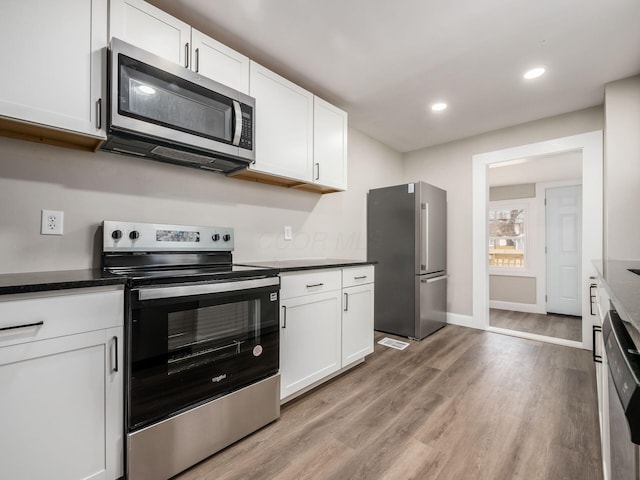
(432, 314)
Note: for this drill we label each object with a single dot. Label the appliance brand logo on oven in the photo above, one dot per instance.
(219, 378)
(273, 297)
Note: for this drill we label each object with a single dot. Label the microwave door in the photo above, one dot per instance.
(155, 99)
(159, 98)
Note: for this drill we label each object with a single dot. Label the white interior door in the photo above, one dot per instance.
(564, 249)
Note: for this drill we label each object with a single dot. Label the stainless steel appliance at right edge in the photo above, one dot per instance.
(407, 236)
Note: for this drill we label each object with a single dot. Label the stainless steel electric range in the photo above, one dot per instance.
(202, 343)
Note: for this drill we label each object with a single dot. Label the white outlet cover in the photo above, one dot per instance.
(52, 222)
(287, 232)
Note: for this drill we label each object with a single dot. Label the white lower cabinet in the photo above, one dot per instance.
(309, 340)
(61, 401)
(326, 324)
(357, 322)
(601, 307)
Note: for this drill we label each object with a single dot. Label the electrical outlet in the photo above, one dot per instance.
(287, 232)
(51, 222)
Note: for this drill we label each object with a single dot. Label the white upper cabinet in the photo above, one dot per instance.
(217, 61)
(329, 145)
(151, 29)
(300, 140)
(145, 26)
(284, 125)
(52, 57)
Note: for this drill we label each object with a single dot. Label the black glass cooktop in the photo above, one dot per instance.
(184, 274)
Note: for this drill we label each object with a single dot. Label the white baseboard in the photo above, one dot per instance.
(462, 320)
(517, 307)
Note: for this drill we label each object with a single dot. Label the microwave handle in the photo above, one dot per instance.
(238, 130)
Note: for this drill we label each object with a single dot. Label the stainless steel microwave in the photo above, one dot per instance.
(163, 111)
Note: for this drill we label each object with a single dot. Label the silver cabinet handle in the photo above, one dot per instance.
(24, 325)
(99, 114)
(317, 171)
(238, 128)
(186, 55)
(284, 316)
(596, 328)
(346, 302)
(315, 285)
(361, 277)
(197, 60)
(115, 347)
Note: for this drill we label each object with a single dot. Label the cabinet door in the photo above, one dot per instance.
(62, 395)
(151, 29)
(357, 323)
(218, 62)
(53, 76)
(309, 340)
(114, 408)
(284, 125)
(329, 145)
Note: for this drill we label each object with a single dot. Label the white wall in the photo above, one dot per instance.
(449, 166)
(622, 169)
(92, 187)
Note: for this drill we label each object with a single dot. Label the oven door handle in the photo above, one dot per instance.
(154, 293)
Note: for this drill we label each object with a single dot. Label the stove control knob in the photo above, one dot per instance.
(116, 234)
(134, 235)
(226, 237)
(215, 237)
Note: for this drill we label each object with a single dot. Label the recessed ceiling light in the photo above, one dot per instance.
(438, 107)
(534, 73)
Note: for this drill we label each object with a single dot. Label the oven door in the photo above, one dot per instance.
(190, 343)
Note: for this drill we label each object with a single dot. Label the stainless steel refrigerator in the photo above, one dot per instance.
(407, 236)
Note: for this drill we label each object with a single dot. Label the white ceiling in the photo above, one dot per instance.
(387, 61)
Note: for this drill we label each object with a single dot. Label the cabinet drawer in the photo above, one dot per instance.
(296, 284)
(357, 276)
(43, 316)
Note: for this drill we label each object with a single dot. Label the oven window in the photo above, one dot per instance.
(202, 335)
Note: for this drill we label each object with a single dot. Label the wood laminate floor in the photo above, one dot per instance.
(461, 404)
(550, 325)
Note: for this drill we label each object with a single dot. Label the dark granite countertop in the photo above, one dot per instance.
(623, 287)
(308, 264)
(15, 283)
(12, 283)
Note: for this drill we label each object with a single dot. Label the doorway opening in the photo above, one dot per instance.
(535, 233)
(589, 146)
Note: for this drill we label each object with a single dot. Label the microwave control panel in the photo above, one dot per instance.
(246, 138)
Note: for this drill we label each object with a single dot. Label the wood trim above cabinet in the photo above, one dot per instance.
(33, 132)
(259, 177)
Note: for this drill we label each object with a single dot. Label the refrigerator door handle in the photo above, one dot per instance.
(424, 253)
(434, 279)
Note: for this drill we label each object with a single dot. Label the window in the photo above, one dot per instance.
(508, 235)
